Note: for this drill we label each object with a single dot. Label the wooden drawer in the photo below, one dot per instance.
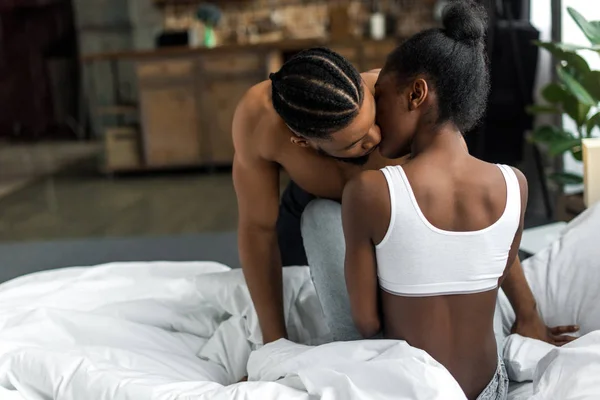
(379, 50)
(165, 69)
(234, 63)
(122, 148)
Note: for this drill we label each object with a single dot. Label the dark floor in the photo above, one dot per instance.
(17, 259)
(81, 203)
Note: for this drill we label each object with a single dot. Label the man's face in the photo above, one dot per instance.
(357, 141)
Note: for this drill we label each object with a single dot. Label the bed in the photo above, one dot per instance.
(187, 330)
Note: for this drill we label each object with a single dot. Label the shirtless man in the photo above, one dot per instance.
(315, 118)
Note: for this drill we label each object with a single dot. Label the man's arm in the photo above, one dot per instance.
(360, 266)
(256, 183)
(528, 322)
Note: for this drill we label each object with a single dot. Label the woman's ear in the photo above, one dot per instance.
(299, 141)
(418, 94)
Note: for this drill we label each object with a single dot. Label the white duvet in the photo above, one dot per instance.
(188, 331)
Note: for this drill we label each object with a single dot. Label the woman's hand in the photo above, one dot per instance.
(533, 327)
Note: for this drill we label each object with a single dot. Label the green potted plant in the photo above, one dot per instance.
(575, 94)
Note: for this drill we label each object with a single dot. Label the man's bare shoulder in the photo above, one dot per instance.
(370, 77)
(254, 118)
(255, 103)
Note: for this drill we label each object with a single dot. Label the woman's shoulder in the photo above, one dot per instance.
(366, 204)
(365, 191)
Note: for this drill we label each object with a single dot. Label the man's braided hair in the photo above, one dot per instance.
(317, 92)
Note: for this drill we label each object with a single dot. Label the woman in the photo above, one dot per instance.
(436, 286)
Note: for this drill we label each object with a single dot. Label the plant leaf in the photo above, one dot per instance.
(593, 122)
(591, 81)
(554, 93)
(577, 153)
(557, 140)
(583, 112)
(548, 134)
(574, 109)
(540, 109)
(574, 47)
(560, 146)
(589, 29)
(573, 59)
(566, 178)
(576, 88)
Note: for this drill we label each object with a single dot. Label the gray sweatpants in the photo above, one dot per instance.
(325, 247)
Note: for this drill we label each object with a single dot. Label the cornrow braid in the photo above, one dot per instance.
(317, 92)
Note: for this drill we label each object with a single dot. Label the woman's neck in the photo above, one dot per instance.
(443, 139)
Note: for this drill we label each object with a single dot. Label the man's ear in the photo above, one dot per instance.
(299, 141)
(418, 94)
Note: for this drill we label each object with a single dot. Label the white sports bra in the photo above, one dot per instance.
(417, 259)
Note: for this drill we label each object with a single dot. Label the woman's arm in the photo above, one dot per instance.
(362, 216)
(528, 322)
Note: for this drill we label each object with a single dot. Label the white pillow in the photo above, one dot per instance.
(570, 372)
(564, 279)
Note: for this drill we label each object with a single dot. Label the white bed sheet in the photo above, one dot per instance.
(186, 330)
(6, 394)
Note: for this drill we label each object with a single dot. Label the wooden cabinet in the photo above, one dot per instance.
(187, 106)
(169, 113)
(225, 79)
(350, 53)
(170, 126)
(220, 98)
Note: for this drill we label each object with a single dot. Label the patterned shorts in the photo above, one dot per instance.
(497, 389)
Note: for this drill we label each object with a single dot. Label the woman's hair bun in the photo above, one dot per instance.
(465, 21)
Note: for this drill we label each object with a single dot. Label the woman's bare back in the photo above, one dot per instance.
(457, 330)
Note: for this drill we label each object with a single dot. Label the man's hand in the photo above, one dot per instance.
(533, 327)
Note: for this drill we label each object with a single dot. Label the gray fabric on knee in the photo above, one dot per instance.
(325, 247)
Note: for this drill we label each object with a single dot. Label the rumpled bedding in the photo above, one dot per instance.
(188, 331)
